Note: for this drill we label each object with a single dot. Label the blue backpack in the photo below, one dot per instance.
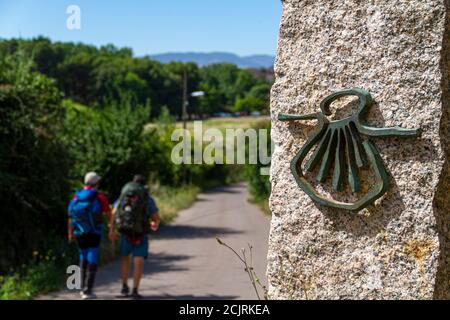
(85, 211)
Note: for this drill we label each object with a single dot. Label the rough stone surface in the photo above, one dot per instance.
(397, 248)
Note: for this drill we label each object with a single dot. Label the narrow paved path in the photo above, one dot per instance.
(186, 262)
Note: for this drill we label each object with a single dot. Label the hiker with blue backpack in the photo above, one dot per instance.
(134, 215)
(85, 226)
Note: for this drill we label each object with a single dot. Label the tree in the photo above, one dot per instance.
(90, 76)
(33, 161)
(213, 101)
(221, 76)
(76, 77)
(244, 83)
(249, 104)
(260, 91)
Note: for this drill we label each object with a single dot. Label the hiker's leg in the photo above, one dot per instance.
(138, 269)
(124, 269)
(93, 260)
(83, 249)
(125, 252)
(91, 277)
(140, 253)
(83, 269)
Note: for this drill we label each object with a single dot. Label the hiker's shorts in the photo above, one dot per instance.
(139, 250)
(89, 248)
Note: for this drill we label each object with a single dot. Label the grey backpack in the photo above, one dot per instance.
(131, 216)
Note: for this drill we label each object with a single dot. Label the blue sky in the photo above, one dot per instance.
(151, 26)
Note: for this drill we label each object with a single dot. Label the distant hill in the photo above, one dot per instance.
(203, 59)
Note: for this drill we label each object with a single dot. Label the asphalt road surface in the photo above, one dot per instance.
(185, 260)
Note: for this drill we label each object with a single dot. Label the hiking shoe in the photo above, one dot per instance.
(135, 295)
(125, 291)
(87, 295)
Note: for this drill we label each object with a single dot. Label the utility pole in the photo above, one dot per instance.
(184, 119)
(185, 98)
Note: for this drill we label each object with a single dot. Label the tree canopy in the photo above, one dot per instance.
(91, 76)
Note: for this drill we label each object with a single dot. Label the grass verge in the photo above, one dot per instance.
(26, 284)
(263, 204)
(45, 273)
(170, 201)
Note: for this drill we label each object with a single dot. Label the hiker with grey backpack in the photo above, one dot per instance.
(134, 215)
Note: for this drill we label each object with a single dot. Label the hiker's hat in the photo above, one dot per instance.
(91, 179)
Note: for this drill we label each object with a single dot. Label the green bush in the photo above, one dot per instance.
(259, 185)
(109, 140)
(162, 169)
(33, 161)
(249, 104)
(170, 174)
